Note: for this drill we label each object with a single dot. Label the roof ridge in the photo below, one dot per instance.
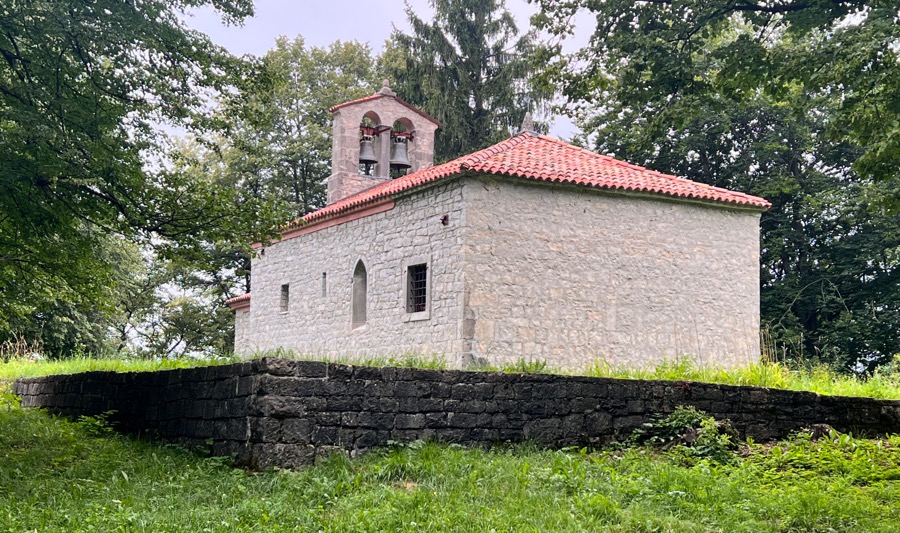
(485, 153)
(611, 159)
(626, 164)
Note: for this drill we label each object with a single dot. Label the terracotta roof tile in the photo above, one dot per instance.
(541, 158)
(376, 96)
(238, 301)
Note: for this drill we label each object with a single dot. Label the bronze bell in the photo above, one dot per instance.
(367, 156)
(399, 157)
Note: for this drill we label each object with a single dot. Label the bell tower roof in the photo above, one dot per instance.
(386, 92)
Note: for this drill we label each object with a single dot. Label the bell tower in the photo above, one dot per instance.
(377, 138)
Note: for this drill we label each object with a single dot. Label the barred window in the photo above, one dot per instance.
(417, 288)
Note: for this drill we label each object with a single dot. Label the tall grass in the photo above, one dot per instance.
(814, 378)
(61, 476)
(884, 384)
(16, 368)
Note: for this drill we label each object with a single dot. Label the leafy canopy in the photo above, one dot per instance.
(702, 91)
(84, 88)
(845, 52)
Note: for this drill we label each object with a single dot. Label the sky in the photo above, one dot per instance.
(321, 22)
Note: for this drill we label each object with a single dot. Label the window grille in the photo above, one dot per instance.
(417, 290)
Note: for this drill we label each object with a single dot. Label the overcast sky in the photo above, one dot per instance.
(321, 22)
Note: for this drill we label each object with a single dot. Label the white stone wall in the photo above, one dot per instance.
(320, 325)
(241, 329)
(573, 276)
(521, 270)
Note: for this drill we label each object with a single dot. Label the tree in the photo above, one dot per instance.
(470, 69)
(845, 52)
(280, 128)
(274, 156)
(830, 251)
(84, 89)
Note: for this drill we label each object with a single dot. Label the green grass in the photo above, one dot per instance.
(16, 368)
(884, 384)
(57, 475)
(814, 378)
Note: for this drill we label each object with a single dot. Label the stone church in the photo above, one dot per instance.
(530, 249)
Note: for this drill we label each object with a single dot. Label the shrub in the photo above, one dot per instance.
(690, 432)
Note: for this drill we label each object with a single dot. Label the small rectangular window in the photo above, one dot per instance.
(417, 288)
(285, 297)
(324, 284)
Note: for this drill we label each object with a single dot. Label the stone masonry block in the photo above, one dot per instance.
(296, 430)
(409, 421)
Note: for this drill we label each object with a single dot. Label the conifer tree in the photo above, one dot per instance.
(469, 68)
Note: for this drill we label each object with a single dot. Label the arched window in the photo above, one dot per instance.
(358, 301)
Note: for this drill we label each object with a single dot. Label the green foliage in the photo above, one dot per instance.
(8, 400)
(844, 54)
(858, 462)
(762, 101)
(96, 426)
(61, 476)
(814, 378)
(689, 432)
(403, 360)
(28, 368)
(280, 131)
(85, 89)
(527, 366)
(522, 366)
(469, 68)
(884, 383)
(273, 156)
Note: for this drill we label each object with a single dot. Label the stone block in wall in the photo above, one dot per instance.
(265, 429)
(375, 420)
(296, 431)
(339, 372)
(367, 439)
(234, 429)
(472, 391)
(290, 386)
(328, 418)
(541, 431)
(598, 423)
(324, 435)
(280, 406)
(469, 420)
(409, 421)
(344, 403)
(267, 455)
(463, 406)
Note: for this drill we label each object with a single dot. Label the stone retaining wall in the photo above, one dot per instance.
(286, 413)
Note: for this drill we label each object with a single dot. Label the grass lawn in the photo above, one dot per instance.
(884, 384)
(59, 475)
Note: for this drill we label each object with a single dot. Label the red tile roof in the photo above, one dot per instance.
(238, 301)
(376, 96)
(541, 158)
